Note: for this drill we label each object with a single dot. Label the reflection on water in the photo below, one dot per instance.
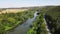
(22, 29)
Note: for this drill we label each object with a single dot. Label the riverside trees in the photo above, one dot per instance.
(10, 20)
(38, 26)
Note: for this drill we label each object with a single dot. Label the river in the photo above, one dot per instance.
(23, 28)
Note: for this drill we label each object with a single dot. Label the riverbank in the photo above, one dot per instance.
(11, 20)
(52, 16)
(38, 26)
(23, 27)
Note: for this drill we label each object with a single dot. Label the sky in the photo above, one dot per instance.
(27, 3)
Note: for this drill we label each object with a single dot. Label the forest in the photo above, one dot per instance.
(10, 20)
(38, 26)
(52, 17)
(51, 14)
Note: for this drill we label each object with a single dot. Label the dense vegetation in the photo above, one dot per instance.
(11, 20)
(52, 16)
(38, 26)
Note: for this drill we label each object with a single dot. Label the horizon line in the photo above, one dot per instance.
(30, 6)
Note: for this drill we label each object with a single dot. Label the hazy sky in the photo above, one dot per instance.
(26, 3)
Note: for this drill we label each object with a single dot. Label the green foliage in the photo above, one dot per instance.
(11, 20)
(38, 26)
(53, 19)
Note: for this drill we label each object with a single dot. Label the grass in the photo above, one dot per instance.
(13, 10)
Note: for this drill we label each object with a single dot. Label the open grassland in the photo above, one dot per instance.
(12, 10)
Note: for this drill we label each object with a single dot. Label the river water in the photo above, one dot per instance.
(23, 28)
